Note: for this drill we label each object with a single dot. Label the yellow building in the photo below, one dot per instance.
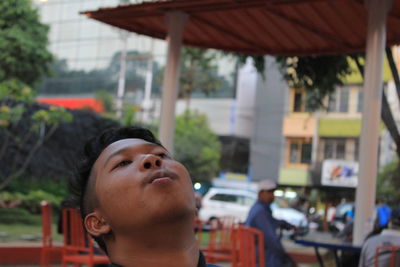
(312, 138)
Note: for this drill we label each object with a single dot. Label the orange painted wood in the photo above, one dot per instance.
(14, 255)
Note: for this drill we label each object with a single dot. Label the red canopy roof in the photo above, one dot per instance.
(74, 103)
(276, 27)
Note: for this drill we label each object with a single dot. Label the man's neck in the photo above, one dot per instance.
(166, 245)
(264, 202)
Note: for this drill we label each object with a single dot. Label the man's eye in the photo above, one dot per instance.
(162, 155)
(123, 163)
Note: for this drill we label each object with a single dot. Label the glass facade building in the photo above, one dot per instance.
(86, 49)
(88, 52)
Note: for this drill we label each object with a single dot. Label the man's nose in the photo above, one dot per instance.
(151, 161)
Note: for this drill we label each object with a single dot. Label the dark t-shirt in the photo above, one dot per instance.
(202, 263)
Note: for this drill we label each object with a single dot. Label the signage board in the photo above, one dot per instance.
(339, 173)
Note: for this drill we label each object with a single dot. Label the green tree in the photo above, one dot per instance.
(24, 59)
(21, 139)
(196, 146)
(23, 43)
(388, 183)
(106, 99)
(198, 72)
(318, 75)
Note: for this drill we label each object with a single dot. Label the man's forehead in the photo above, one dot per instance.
(127, 142)
(122, 144)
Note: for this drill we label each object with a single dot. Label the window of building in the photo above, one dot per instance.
(360, 100)
(305, 153)
(300, 151)
(335, 149)
(294, 155)
(339, 100)
(299, 102)
(344, 100)
(356, 149)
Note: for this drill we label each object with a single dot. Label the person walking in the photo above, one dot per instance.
(383, 214)
(260, 217)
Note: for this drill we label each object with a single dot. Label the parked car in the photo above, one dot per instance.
(220, 202)
(290, 215)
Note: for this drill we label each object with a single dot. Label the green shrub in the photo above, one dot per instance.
(106, 99)
(10, 200)
(31, 201)
(26, 184)
(18, 215)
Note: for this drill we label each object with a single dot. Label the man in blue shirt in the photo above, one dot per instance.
(383, 214)
(260, 217)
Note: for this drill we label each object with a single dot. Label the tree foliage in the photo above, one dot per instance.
(318, 75)
(54, 160)
(21, 139)
(198, 72)
(24, 58)
(23, 43)
(196, 146)
(388, 183)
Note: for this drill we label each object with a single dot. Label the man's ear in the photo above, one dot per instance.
(96, 225)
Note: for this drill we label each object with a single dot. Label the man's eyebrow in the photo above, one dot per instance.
(124, 149)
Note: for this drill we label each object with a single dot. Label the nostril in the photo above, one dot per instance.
(147, 165)
(158, 163)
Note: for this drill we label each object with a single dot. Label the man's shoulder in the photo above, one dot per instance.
(391, 233)
(257, 205)
(382, 238)
(256, 208)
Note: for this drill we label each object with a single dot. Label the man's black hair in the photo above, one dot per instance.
(91, 152)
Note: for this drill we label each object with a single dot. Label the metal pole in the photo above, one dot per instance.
(147, 104)
(176, 23)
(122, 73)
(365, 195)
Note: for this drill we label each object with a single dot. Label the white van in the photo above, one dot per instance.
(220, 202)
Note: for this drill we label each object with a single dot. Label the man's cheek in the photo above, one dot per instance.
(114, 194)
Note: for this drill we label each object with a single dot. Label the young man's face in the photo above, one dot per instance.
(139, 184)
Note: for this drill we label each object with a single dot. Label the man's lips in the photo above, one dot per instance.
(160, 174)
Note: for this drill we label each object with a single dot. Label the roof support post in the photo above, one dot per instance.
(366, 189)
(176, 22)
(122, 73)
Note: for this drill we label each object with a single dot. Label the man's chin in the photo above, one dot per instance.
(174, 214)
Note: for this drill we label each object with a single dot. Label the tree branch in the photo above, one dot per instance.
(4, 144)
(394, 70)
(28, 159)
(386, 113)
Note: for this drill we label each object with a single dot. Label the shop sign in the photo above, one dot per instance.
(339, 173)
